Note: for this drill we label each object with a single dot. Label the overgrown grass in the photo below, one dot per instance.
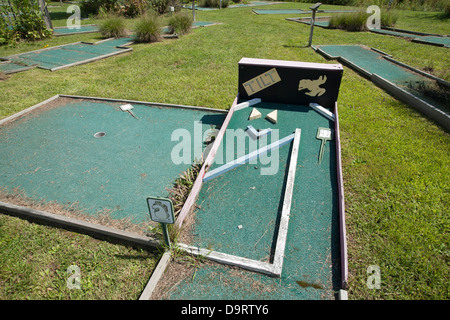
(395, 161)
(357, 21)
(351, 21)
(113, 26)
(35, 260)
(148, 28)
(180, 23)
(212, 3)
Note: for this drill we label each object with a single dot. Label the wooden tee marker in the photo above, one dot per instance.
(255, 114)
(273, 116)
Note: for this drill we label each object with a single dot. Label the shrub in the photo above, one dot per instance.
(212, 3)
(180, 23)
(148, 28)
(159, 6)
(93, 6)
(355, 21)
(28, 25)
(176, 4)
(113, 26)
(388, 19)
(134, 8)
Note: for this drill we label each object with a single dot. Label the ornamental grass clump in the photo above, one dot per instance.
(148, 28)
(355, 21)
(113, 26)
(213, 3)
(180, 23)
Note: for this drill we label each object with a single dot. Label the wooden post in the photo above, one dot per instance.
(193, 9)
(313, 18)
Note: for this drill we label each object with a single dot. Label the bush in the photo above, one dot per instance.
(113, 26)
(355, 21)
(212, 3)
(92, 7)
(134, 8)
(180, 23)
(148, 28)
(159, 6)
(28, 23)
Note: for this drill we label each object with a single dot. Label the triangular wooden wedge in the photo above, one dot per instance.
(255, 114)
(272, 117)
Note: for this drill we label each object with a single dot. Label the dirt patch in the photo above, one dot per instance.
(3, 76)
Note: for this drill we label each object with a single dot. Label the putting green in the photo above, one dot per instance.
(71, 54)
(52, 154)
(63, 31)
(443, 41)
(239, 214)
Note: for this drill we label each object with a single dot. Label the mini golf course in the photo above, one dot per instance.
(240, 5)
(296, 11)
(323, 22)
(88, 153)
(432, 39)
(419, 37)
(68, 55)
(276, 213)
(65, 31)
(398, 79)
(283, 220)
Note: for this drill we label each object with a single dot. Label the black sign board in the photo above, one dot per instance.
(290, 82)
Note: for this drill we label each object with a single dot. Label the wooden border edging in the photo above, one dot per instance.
(225, 258)
(156, 276)
(286, 210)
(438, 116)
(189, 203)
(79, 225)
(341, 201)
(433, 113)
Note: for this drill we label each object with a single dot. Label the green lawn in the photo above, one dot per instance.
(395, 162)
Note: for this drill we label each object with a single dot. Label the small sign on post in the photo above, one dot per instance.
(313, 18)
(161, 210)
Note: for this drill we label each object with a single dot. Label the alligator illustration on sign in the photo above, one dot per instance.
(313, 86)
(161, 214)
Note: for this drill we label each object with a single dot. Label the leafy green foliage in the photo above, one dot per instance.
(22, 20)
(159, 6)
(93, 6)
(134, 8)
